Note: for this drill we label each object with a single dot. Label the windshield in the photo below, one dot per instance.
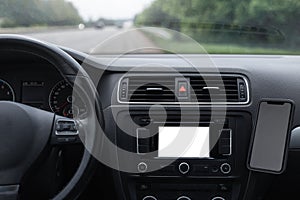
(219, 26)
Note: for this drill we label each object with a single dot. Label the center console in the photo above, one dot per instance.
(212, 166)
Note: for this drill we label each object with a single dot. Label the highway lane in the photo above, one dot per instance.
(91, 40)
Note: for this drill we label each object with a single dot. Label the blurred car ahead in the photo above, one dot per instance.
(100, 25)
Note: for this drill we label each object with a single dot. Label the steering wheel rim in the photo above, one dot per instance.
(67, 67)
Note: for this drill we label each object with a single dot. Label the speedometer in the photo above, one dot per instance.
(62, 102)
(6, 91)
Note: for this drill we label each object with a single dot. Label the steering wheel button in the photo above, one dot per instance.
(66, 127)
(66, 140)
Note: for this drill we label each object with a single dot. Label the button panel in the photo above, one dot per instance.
(143, 140)
(124, 89)
(66, 128)
(225, 142)
(242, 90)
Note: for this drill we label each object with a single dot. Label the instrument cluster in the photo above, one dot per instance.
(48, 92)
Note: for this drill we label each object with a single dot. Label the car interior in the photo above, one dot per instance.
(146, 126)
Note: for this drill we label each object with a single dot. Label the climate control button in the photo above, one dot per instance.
(142, 167)
(225, 168)
(184, 168)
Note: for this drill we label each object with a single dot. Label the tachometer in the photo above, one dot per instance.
(6, 91)
(62, 102)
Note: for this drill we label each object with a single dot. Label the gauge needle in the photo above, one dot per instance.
(63, 105)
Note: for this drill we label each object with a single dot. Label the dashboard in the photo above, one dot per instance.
(35, 82)
(143, 107)
(129, 93)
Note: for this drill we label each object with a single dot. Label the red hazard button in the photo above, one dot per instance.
(182, 89)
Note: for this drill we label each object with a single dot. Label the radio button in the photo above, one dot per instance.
(142, 167)
(225, 168)
(184, 168)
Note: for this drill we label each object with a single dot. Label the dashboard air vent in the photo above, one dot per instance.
(151, 89)
(229, 89)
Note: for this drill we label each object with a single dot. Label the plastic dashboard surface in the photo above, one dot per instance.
(269, 77)
(272, 77)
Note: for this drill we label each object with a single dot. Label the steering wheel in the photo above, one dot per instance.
(25, 132)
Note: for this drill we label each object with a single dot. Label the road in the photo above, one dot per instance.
(91, 40)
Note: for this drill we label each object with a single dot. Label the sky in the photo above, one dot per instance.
(111, 9)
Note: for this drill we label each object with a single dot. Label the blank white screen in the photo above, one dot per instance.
(183, 142)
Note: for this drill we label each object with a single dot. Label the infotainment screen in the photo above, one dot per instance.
(183, 142)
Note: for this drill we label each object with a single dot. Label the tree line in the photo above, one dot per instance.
(269, 21)
(15, 13)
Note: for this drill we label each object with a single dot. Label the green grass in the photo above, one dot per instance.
(174, 46)
(227, 49)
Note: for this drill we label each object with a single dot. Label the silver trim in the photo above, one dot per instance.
(66, 133)
(152, 197)
(218, 198)
(11, 89)
(145, 165)
(185, 103)
(225, 172)
(230, 142)
(183, 198)
(210, 88)
(295, 138)
(188, 168)
(154, 89)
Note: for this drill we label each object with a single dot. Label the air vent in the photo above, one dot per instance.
(216, 89)
(150, 89)
(193, 89)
